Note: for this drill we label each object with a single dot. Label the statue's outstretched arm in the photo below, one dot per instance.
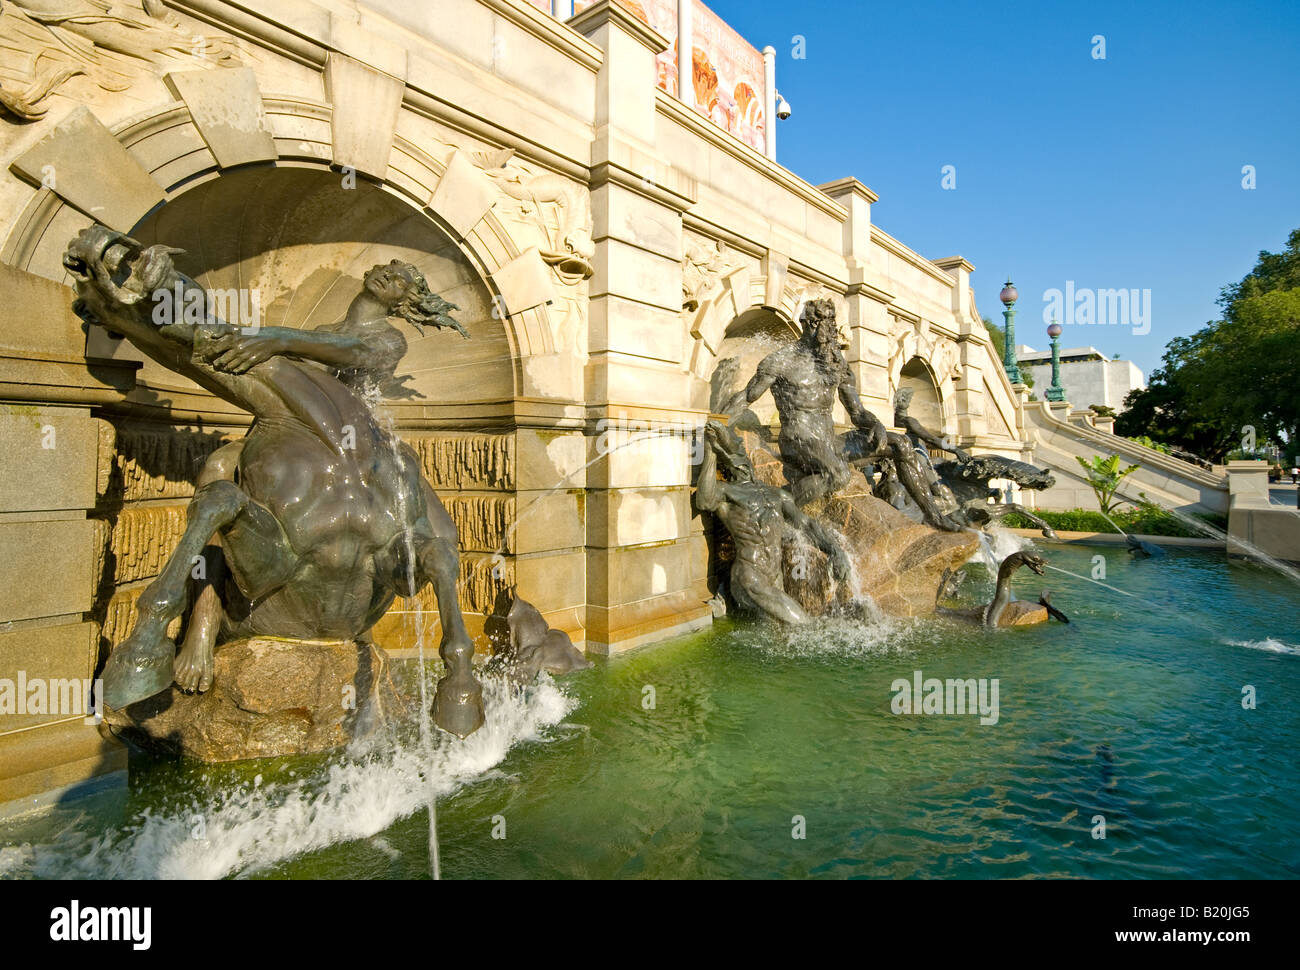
(708, 490)
(763, 378)
(942, 442)
(377, 353)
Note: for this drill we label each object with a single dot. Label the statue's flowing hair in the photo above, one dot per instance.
(421, 306)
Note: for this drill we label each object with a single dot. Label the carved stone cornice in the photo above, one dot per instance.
(608, 11)
(608, 172)
(716, 137)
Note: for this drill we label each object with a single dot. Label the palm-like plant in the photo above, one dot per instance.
(1105, 476)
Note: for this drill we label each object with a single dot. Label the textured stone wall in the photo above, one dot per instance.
(145, 480)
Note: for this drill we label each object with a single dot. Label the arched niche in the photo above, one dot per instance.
(927, 403)
(750, 337)
(301, 240)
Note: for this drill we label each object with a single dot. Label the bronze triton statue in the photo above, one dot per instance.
(758, 516)
(322, 516)
(805, 379)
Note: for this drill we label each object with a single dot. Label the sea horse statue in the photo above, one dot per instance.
(323, 517)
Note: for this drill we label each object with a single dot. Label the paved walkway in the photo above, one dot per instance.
(1282, 493)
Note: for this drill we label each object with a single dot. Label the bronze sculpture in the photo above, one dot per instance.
(323, 517)
(805, 379)
(758, 517)
(961, 488)
(969, 483)
(1002, 610)
(524, 644)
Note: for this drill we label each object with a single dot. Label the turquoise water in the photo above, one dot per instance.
(1132, 712)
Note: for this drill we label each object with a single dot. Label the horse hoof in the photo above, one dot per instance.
(135, 672)
(458, 706)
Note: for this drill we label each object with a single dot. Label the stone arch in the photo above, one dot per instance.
(299, 243)
(927, 398)
(739, 304)
(759, 321)
(160, 155)
(918, 347)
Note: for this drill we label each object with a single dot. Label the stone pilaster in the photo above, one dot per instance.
(53, 550)
(645, 552)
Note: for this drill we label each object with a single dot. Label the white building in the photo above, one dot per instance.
(1088, 376)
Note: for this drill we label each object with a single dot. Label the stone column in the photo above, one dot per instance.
(53, 550)
(646, 558)
(686, 52)
(769, 101)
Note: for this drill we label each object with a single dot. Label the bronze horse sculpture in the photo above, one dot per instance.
(322, 516)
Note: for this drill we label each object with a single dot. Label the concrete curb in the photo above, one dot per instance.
(1111, 538)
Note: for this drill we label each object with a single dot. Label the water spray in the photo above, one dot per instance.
(1098, 583)
(1252, 551)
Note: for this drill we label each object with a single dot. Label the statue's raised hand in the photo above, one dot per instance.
(714, 433)
(236, 353)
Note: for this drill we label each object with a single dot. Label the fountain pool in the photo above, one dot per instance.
(1133, 712)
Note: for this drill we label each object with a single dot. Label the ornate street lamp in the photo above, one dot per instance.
(1056, 392)
(1008, 296)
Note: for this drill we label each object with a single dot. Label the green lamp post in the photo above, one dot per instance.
(1008, 296)
(1056, 392)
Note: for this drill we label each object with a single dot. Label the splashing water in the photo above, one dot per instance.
(408, 538)
(1268, 644)
(1096, 582)
(995, 545)
(1114, 524)
(252, 828)
(845, 637)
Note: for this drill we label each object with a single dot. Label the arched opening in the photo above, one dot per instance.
(297, 242)
(927, 405)
(749, 338)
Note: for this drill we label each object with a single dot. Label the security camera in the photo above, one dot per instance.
(782, 107)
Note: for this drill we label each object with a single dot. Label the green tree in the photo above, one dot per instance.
(1166, 410)
(997, 337)
(1273, 271)
(1243, 370)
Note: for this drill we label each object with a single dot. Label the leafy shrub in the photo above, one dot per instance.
(1153, 445)
(1147, 520)
(1105, 476)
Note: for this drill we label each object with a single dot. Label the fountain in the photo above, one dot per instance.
(898, 538)
(848, 571)
(322, 519)
(609, 241)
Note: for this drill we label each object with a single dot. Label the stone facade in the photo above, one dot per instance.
(606, 246)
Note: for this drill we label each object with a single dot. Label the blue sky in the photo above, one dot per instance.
(1122, 172)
